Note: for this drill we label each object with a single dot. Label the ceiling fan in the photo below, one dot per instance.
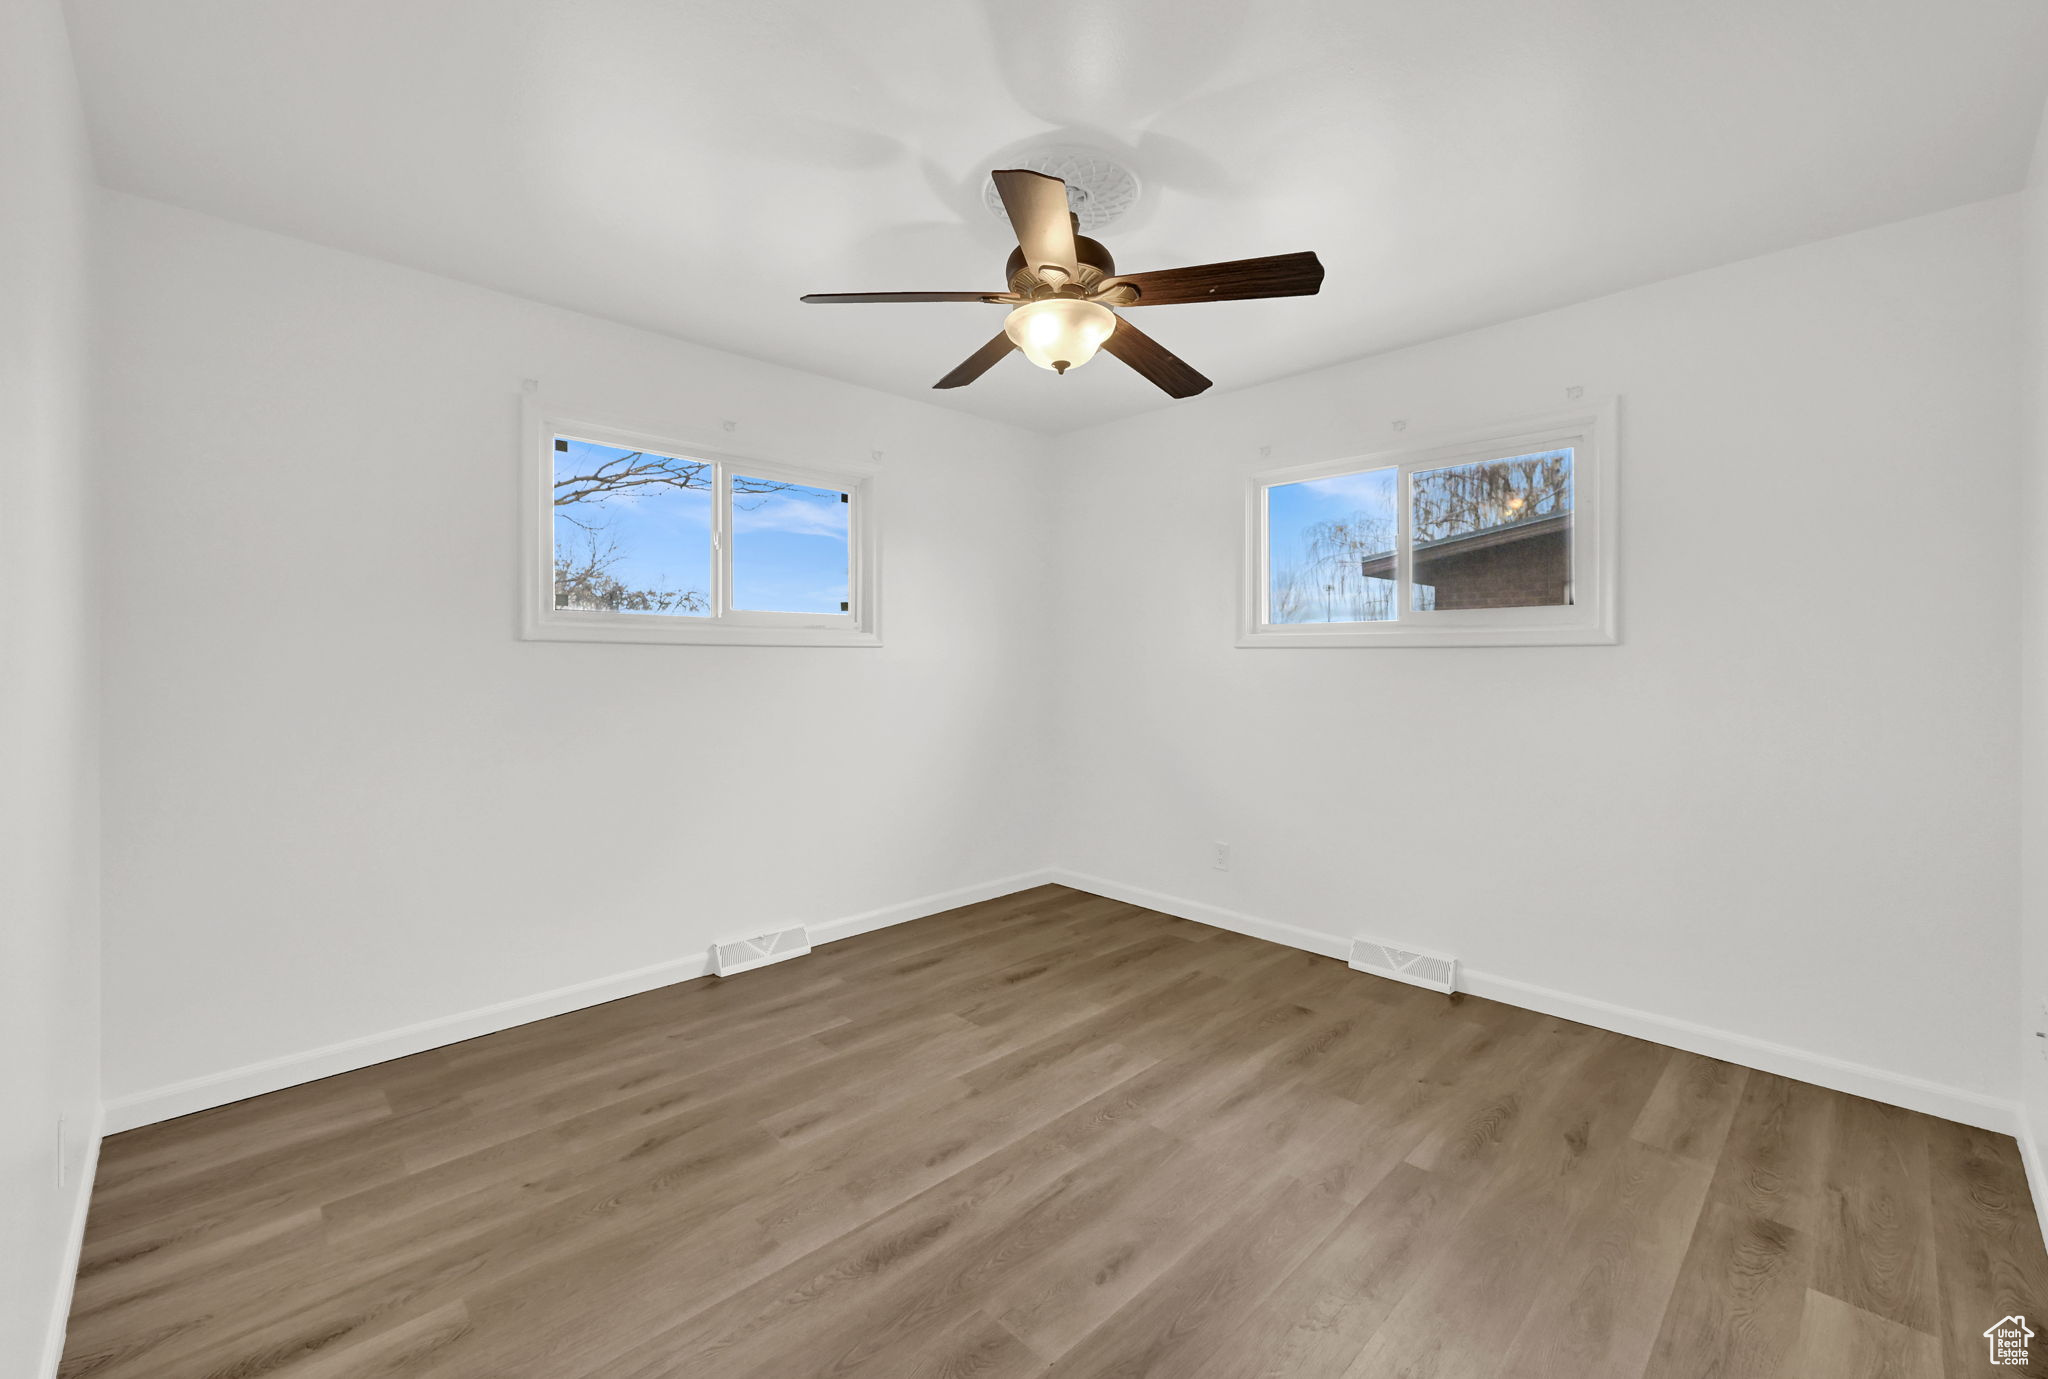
(1064, 287)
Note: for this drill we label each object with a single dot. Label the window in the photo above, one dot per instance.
(1497, 538)
(638, 538)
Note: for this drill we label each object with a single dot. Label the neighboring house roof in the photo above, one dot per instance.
(1381, 566)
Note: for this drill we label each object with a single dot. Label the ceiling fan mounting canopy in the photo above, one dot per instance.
(1065, 292)
(1101, 189)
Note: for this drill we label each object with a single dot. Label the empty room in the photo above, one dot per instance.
(1137, 689)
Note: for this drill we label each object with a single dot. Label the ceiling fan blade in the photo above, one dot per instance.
(836, 297)
(977, 363)
(1154, 360)
(1037, 206)
(1281, 275)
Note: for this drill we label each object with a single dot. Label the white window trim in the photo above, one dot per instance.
(1589, 430)
(540, 620)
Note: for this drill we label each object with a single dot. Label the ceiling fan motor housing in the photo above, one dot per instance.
(1093, 259)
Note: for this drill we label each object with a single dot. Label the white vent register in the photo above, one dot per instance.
(745, 954)
(1437, 971)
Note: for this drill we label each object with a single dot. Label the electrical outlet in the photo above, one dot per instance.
(1219, 856)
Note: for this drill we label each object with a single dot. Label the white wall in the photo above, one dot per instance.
(1784, 808)
(2033, 392)
(343, 797)
(49, 990)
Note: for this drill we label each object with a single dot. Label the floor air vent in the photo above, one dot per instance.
(745, 954)
(1437, 971)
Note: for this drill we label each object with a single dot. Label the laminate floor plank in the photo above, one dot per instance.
(1069, 1291)
(1774, 1160)
(1736, 1308)
(1318, 1318)
(1837, 1341)
(705, 1245)
(1168, 1328)
(1987, 1244)
(205, 1200)
(1539, 1163)
(1877, 1249)
(241, 1147)
(1598, 1308)
(1048, 1135)
(861, 1295)
(1693, 1106)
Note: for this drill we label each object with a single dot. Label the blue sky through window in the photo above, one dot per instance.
(789, 550)
(639, 539)
(1315, 532)
(656, 536)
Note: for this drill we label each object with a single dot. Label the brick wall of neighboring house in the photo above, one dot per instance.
(1530, 573)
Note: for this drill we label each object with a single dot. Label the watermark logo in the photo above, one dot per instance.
(2008, 1340)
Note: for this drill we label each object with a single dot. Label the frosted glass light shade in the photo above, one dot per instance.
(1060, 333)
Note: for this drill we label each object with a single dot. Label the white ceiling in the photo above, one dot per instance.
(693, 166)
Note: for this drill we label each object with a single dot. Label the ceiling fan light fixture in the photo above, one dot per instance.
(1067, 285)
(1060, 333)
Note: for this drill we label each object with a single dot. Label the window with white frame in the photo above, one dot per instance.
(1500, 537)
(637, 537)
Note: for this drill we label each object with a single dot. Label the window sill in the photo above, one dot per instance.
(1434, 636)
(677, 632)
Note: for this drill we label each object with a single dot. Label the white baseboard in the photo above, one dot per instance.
(271, 1074)
(1842, 1075)
(832, 930)
(2030, 1158)
(1215, 916)
(74, 1248)
(253, 1079)
(1803, 1065)
(1899, 1089)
